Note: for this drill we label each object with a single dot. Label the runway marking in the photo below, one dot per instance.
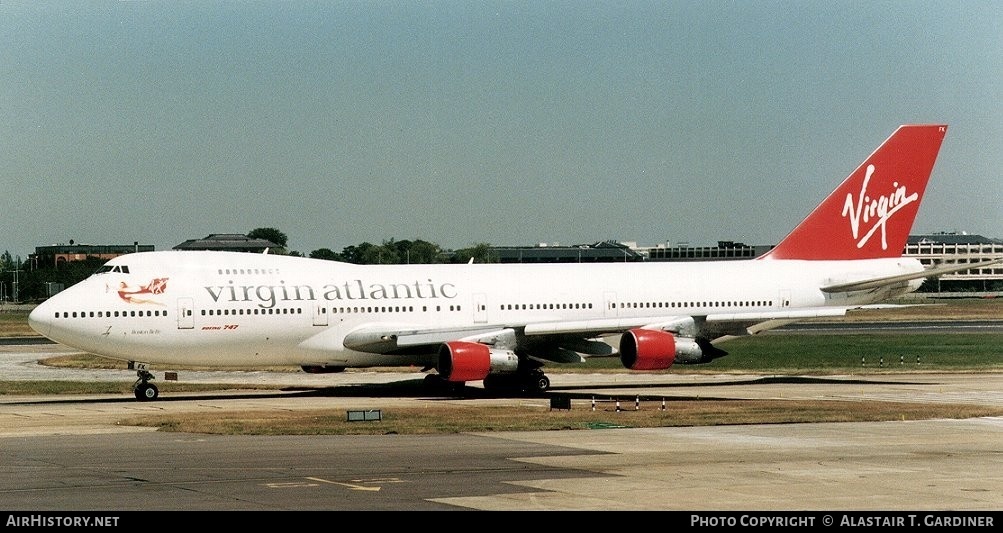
(380, 480)
(290, 485)
(349, 485)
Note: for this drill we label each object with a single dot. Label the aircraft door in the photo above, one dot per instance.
(186, 313)
(319, 315)
(784, 299)
(480, 308)
(609, 305)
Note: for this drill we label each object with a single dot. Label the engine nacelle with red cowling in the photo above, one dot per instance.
(473, 361)
(652, 349)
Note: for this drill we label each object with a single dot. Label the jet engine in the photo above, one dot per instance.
(472, 361)
(652, 349)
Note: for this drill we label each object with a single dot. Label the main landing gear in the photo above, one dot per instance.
(532, 381)
(144, 390)
(435, 383)
(537, 382)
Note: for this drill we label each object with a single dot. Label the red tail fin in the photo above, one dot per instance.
(870, 214)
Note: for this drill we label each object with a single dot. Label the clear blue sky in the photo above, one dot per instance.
(460, 122)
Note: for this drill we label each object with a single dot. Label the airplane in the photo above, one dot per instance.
(502, 323)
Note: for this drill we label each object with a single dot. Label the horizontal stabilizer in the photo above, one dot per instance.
(877, 283)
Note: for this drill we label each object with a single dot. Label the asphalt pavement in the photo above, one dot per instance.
(63, 454)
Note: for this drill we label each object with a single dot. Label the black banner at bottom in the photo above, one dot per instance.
(10, 520)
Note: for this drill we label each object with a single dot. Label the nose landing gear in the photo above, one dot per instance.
(144, 390)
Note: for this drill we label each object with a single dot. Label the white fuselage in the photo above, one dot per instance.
(239, 309)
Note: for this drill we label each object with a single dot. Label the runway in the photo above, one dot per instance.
(59, 454)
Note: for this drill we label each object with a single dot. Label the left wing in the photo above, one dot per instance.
(384, 338)
(569, 341)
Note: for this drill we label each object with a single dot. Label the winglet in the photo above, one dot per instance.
(870, 214)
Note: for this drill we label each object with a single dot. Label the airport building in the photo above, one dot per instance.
(54, 255)
(930, 249)
(57, 254)
(229, 242)
(948, 248)
(600, 252)
(725, 250)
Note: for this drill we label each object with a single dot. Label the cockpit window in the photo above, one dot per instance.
(124, 269)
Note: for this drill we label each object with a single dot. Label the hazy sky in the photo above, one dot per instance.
(461, 122)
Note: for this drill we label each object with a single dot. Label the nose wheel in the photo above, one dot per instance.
(144, 390)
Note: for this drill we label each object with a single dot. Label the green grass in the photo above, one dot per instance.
(457, 418)
(49, 388)
(812, 353)
(809, 353)
(15, 324)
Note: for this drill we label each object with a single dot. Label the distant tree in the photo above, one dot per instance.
(393, 252)
(325, 253)
(7, 262)
(422, 252)
(417, 252)
(397, 252)
(269, 234)
(389, 253)
(359, 254)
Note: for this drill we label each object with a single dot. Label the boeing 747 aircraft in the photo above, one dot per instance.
(501, 323)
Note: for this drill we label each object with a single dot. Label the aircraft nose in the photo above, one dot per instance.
(40, 319)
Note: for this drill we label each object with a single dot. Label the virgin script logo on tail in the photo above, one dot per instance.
(874, 211)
